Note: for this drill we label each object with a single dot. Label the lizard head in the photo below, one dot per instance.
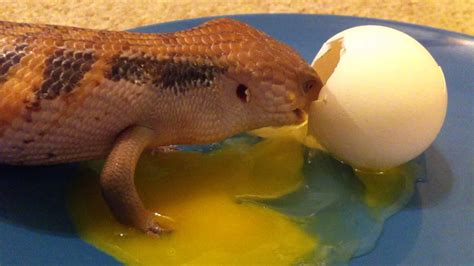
(273, 93)
(266, 83)
(239, 79)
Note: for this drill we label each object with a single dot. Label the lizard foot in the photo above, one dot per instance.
(118, 185)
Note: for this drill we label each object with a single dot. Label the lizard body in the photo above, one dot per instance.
(69, 94)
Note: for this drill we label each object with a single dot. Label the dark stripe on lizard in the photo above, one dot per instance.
(164, 74)
(10, 58)
(64, 69)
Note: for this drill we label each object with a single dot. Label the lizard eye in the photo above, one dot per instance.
(243, 93)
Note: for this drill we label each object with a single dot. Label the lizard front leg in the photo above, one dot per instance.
(118, 186)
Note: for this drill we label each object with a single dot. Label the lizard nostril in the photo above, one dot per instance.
(312, 88)
(308, 86)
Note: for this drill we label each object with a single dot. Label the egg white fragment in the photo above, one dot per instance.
(384, 99)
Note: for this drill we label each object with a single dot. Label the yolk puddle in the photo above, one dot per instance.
(200, 191)
(382, 189)
(268, 202)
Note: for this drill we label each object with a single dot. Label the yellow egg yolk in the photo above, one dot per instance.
(213, 198)
(200, 192)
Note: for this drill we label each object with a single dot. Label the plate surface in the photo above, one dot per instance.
(435, 228)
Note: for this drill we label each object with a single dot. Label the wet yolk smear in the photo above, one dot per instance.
(269, 202)
(382, 189)
(200, 192)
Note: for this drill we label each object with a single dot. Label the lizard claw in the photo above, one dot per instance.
(159, 225)
(156, 230)
(164, 149)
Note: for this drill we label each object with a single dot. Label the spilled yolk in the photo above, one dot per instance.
(201, 192)
(382, 189)
(233, 205)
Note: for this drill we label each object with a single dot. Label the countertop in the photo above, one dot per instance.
(454, 15)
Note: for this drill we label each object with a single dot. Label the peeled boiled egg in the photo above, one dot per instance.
(384, 100)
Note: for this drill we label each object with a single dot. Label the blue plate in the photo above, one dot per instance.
(436, 227)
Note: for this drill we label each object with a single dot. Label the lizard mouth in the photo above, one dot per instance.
(300, 114)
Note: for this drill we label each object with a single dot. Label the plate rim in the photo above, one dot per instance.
(376, 20)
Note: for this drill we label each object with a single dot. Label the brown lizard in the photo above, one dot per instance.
(70, 94)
